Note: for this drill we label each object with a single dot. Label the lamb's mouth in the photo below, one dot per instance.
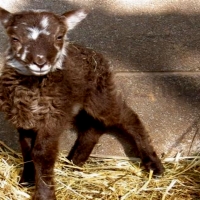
(39, 73)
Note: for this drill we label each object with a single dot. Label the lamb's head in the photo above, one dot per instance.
(38, 39)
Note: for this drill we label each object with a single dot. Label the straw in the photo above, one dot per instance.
(107, 178)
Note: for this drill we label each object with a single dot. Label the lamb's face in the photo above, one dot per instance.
(38, 43)
(38, 39)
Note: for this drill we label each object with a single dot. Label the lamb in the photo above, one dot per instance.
(48, 85)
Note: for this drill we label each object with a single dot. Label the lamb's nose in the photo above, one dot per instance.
(40, 61)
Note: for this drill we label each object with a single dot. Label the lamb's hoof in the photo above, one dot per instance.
(157, 168)
(76, 161)
(27, 184)
(27, 181)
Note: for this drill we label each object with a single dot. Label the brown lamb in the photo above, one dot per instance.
(48, 85)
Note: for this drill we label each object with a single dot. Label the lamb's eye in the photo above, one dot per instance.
(60, 37)
(15, 39)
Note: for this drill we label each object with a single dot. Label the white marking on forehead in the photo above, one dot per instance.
(45, 32)
(35, 32)
(45, 22)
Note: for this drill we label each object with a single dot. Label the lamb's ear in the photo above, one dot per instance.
(72, 18)
(4, 16)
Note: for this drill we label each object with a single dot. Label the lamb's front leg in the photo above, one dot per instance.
(27, 139)
(89, 131)
(44, 155)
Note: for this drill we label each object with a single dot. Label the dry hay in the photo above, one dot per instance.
(106, 178)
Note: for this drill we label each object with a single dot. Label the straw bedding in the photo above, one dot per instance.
(113, 178)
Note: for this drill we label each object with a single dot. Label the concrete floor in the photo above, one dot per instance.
(154, 49)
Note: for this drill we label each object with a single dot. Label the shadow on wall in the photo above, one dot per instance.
(149, 43)
(168, 42)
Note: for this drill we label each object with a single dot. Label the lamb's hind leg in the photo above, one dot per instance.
(134, 130)
(89, 130)
(112, 111)
(27, 139)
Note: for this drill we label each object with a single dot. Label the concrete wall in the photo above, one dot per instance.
(154, 50)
